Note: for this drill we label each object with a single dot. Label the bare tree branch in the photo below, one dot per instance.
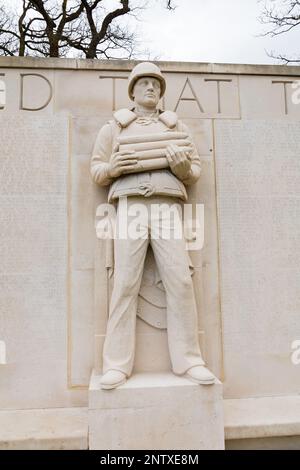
(85, 28)
(281, 16)
(170, 5)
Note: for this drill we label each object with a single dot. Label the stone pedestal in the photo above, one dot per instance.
(156, 412)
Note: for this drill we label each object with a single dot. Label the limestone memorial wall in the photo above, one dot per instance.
(246, 125)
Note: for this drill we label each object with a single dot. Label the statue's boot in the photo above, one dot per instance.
(112, 379)
(200, 375)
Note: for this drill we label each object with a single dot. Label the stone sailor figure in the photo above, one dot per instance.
(147, 157)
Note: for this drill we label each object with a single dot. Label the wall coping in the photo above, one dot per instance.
(67, 428)
(127, 65)
(250, 418)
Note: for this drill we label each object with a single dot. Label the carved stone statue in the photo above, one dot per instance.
(147, 157)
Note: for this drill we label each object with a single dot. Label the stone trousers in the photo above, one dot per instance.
(172, 262)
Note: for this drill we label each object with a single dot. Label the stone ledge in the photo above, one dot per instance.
(41, 429)
(67, 428)
(263, 417)
(166, 66)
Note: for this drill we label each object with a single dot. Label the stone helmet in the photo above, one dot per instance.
(145, 69)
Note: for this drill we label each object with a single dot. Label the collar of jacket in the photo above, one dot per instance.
(124, 117)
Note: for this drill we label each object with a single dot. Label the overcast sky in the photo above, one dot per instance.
(224, 31)
(213, 31)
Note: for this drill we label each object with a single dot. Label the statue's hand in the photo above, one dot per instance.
(120, 162)
(179, 161)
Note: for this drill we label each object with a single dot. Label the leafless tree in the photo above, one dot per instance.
(9, 39)
(82, 28)
(281, 16)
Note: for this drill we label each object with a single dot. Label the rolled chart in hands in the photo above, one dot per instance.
(150, 149)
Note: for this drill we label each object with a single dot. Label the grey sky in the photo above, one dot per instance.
(208, 31)
(213, 31)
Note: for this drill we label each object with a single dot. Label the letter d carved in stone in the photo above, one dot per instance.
(42, 106)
